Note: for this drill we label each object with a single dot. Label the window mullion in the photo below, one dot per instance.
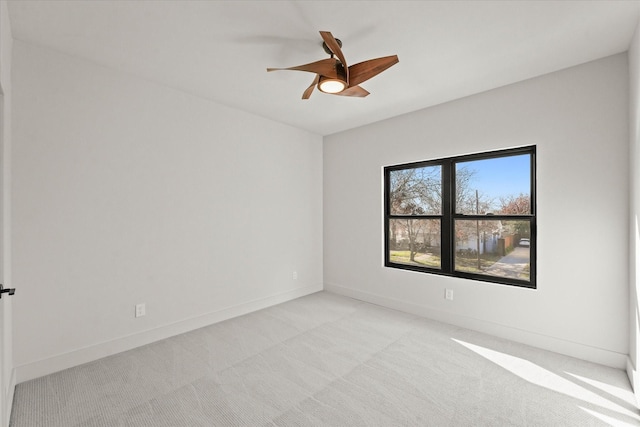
(448, 177)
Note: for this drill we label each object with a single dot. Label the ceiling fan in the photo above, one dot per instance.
(335, 77)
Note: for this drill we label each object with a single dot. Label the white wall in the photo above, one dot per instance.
(126, 192)
(634, 197)
(578, 118)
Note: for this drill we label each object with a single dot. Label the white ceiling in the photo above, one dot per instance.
(219, 50)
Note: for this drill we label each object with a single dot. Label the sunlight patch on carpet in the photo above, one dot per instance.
(537, 375)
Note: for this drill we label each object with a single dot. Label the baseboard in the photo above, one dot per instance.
(80, 356)
(577, 350)
(634, 380)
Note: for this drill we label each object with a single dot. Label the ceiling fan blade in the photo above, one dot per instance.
(335, 48)
(307, 93)
(324, 67)
(355, 91)
(363, 71)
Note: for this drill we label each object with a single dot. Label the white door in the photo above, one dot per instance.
(6, 391)
(4, 346)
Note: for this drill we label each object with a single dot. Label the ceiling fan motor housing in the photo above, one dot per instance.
(326, 48)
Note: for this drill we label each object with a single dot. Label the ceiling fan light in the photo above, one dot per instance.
(331, 85)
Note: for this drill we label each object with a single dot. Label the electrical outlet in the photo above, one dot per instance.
(140, 310)
(295, 275)
(448, 294)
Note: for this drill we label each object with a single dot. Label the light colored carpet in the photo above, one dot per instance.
(327, 360)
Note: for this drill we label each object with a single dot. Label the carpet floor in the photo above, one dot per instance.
(327, 360)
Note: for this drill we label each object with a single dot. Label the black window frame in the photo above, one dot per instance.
(448, 217)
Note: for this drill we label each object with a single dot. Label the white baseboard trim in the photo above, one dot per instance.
(557, 345)
(634, 380)
(80, 356)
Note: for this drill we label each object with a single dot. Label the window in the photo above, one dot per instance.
(469, 216)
